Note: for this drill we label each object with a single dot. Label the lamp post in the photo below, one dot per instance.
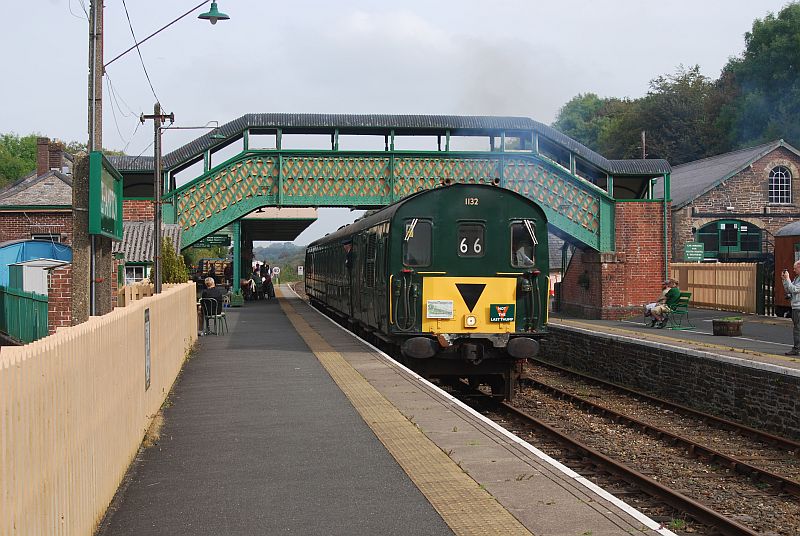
(80, 201)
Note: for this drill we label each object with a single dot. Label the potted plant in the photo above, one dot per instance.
(730, 326)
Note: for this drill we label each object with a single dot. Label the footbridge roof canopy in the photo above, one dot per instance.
(384, 124)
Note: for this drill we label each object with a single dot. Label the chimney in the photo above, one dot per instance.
(55, 158)
(42, 156)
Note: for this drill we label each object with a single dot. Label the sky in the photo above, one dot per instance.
(460, 57)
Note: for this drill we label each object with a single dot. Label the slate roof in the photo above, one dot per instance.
(383, 123)
(49, 189)
(690, 181)
(137, 240)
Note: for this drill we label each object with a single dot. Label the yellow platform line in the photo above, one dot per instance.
(467, 508)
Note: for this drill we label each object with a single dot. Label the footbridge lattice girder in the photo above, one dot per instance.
(256, 179)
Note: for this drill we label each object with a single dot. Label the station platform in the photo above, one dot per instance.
(764, 339)
(290, 425)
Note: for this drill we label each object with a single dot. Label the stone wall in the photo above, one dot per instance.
(747, 193)
(752, 393)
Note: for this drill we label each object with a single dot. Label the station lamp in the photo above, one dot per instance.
(213, 14)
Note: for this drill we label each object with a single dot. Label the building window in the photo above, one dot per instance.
(730, 240)
(780, 185)
(46, 237)
(134, 274)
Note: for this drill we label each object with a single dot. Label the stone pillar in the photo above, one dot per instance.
(81, 249)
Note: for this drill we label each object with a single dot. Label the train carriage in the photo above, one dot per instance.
(454, 279)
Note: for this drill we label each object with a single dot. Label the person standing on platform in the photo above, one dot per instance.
(793, 289)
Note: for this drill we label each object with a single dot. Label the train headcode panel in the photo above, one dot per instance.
(451, 281)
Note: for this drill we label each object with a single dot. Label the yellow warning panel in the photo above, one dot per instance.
(447, 301)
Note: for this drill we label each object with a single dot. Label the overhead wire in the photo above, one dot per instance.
(141, 59)
(76, 15)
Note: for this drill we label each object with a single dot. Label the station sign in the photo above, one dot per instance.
(693, 252)
(213, 241)
(105, 197)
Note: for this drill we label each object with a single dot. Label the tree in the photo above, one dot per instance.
(679, 116)
(172, 265)
(17, 156)
(586, 117)
(766, 82)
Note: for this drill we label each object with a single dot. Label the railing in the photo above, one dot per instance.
(74, 407)
(23, 315)
(726, 286)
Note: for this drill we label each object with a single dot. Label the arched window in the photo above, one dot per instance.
(730, 239)
(780, 185)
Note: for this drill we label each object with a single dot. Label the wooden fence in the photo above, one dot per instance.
(23, 315)
(726, 286)
(75, 405)
(131, 293)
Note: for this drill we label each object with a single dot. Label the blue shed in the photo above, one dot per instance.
(16, 251)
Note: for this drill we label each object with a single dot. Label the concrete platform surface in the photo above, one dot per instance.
(291, 425)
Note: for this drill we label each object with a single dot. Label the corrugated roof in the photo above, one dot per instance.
(792, 229)
(137, 240)
(49, 189)
(655, 166)
(382, 123)
(690, 181)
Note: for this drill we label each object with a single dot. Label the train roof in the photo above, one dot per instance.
(388, 212)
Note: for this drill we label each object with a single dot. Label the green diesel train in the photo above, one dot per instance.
(451, 281)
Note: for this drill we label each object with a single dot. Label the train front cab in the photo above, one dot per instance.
(470, 300)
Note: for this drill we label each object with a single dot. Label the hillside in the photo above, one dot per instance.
(283, 254)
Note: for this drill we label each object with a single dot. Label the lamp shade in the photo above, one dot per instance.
(213, 15)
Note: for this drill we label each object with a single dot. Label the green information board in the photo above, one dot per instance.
(105, 197)
(693, 252)
(213, 240)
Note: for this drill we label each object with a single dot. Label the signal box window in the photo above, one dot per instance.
(417, 240)
(523, 240)
(470, 240)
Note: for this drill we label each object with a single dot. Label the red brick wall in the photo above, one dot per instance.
(137, 210)
(59, 298)
(748, 193)
(21, 225)
(619, 283)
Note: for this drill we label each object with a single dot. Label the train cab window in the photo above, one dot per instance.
(417, 241)
(523, 240)
(470, 240)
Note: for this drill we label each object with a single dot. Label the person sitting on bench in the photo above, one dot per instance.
(671, 299)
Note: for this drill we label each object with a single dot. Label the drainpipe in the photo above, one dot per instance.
(666, 221)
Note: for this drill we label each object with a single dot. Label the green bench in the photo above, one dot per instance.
(678, 317)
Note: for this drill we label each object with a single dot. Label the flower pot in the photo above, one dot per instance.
(730, 328)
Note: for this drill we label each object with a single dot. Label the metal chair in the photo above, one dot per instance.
(212, 312)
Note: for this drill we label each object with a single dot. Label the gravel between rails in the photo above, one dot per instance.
(717, 487)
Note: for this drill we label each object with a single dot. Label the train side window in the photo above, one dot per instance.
(417, 240)
(470, 240)
(523, 240)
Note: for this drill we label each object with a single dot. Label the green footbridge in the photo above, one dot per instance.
(577, 187)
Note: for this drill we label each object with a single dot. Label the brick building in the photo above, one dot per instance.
(735, 202)
(39, 206)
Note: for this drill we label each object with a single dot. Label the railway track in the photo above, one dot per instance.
(746, 477)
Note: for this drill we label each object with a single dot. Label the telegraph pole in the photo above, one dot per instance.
(157, 118)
